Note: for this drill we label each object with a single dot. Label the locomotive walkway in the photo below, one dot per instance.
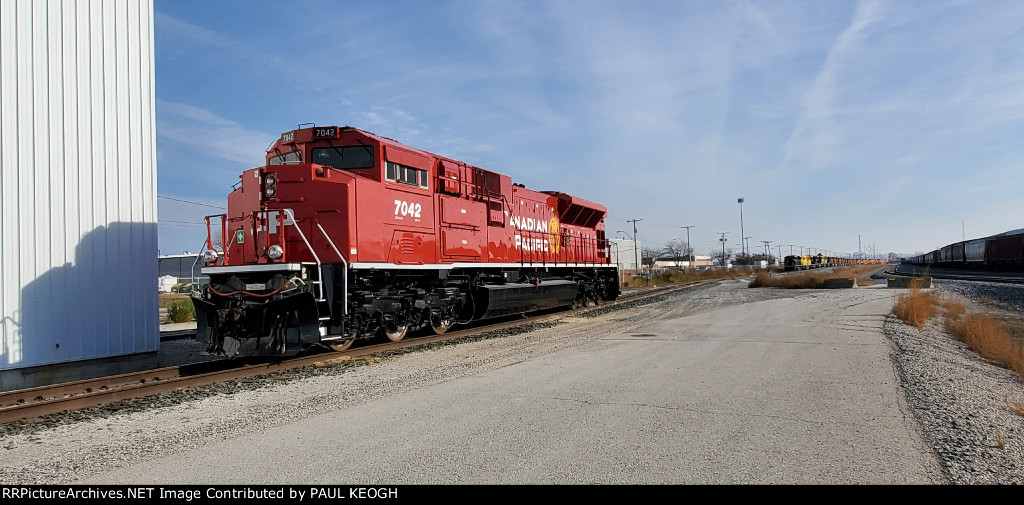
(723, 385)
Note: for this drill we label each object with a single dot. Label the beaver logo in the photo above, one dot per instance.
(554, 234)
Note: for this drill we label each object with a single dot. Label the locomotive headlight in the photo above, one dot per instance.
(210, 256)
(275, 252)
(270, 186)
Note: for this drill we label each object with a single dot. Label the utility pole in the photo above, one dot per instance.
(689, 257)
(722, 240)
(767, 249)
(636, 254)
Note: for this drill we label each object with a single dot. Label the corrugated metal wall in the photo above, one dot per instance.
(78, 234)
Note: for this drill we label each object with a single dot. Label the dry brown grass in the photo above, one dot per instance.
(984, 334)
(680, 277)
(864, 273)
(1015, 406)
(954, 309)
(988, 337)
(813, 279)
(916, 307)
(168, 299)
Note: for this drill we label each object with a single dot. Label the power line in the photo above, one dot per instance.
(193, 203)
(246, 157)
(179, 223)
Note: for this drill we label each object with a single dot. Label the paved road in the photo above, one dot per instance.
(799, 389)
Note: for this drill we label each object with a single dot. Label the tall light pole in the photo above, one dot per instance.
(689, 257)
(740, 201)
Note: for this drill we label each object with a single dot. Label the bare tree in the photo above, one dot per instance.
(677, 250)
(648, 256)
(718, 256)
(218, 240)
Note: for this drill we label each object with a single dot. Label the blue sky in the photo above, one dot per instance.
(901, 123)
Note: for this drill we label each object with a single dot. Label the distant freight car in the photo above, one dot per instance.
(998, 252)
(1005, 251)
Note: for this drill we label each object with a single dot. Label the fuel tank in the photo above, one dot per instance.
(516, 298)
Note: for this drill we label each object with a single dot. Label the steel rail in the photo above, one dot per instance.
(917, 271)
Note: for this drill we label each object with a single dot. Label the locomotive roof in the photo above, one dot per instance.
(575, 200)
(386, 140)
(569, 200)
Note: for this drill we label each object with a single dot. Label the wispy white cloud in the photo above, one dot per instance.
(216, 136)
(815, 137)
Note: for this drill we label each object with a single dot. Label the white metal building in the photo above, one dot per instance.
(78, 232)
(626, 254)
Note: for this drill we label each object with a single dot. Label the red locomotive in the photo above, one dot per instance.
(346, 235)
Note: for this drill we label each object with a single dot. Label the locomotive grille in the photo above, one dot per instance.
(406, 245)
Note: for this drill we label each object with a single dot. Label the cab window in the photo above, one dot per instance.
(344, 157)
(289, 158)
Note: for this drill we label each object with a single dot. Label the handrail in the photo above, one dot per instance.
(344, 275)
(319, 264)
(192, 272)
(571, 248)
(208, 244)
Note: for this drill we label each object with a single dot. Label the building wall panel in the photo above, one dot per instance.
(78, 239)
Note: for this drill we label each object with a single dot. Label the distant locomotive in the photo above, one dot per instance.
(1004, 251)
(346, 235)
(805, 262)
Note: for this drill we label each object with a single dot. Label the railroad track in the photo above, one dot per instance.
(33, 403)
(915, 271)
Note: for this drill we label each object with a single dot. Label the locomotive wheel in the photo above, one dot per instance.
(398, 334)
(344, 345)
(442, 326)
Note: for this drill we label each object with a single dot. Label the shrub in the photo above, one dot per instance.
(681, 277)
(181, 312)
(915, 308)
(812, 280)
(988, 337)
(954, 310)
